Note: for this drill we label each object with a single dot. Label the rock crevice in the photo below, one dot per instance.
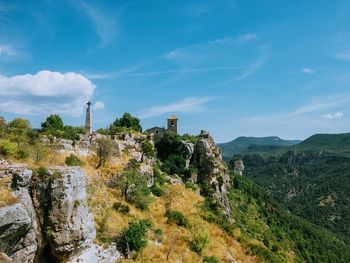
(50, 222)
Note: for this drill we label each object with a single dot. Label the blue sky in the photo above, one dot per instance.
(253, 68)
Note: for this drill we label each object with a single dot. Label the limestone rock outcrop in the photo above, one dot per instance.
(238, 167)
(211, 169)
(20, 234)
(49, 221)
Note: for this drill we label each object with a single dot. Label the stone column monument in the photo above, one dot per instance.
(88, 119)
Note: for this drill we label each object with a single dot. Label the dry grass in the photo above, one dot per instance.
(175, 246)
(175, 239)
(6, 195)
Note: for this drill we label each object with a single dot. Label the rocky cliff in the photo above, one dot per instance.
(44, 217)
(212, 171)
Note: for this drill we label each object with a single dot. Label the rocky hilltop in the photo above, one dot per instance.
(46, 218)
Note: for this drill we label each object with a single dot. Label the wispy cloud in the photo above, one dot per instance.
(7, 50)
(105, 26)
(187, 105)
(246, 38)
(308, 71)
(252, 68)
(99, 105)
(333, 115)
(195, 51)
(186, 70)
(344, 55)
(313, 106)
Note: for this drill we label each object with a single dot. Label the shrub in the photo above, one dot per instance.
(104, 150)
(199, 241)
(134, 237)
(191, 186)
(176, 217)
(159, 176)
(124, 209)
(40, 173)
(157, 190)
(7, 148)
(73, 160)
(140, 198)
(158, 235)
(210, 259)
(148, 149)
(22, 154)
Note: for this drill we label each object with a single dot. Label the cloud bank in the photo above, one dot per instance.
(45, 92)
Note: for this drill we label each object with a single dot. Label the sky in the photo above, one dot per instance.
(231, 67)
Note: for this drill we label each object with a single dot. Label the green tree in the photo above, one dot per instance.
(134, 237)
(72, 133)
(169, 144)
(126, 121)
(133, 187)
(104, 151)
(8, 148)
(53, 124)
(2, 127)
(17, 130)
(148, 149)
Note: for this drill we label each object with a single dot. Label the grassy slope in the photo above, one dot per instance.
(110, 223)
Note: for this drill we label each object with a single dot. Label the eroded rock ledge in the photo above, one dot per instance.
(45, 218)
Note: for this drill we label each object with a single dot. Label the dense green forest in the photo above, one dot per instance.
(313, 185)
(277, 231)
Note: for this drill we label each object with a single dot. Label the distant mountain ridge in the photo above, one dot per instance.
(244, 144)
(339, 143)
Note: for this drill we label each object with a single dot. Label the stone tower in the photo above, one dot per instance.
(172, 123)
(88, 119)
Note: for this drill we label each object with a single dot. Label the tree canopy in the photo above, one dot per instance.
(126, 121)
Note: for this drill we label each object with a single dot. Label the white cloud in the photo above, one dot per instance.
(7, 50)
(345, 55)
(187, 105)
(333, 115)
(99, 105)
(45, 92)
(105, 26)
(246, 38)
(308, 71)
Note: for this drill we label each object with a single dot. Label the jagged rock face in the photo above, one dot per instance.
(211, 169)
(63, 212)
(20, 234)
(238, 167)
(50, 222)
(188, 148)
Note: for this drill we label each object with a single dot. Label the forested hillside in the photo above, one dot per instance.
(312, 184)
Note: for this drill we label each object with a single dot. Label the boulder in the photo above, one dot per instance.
(49, 221)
